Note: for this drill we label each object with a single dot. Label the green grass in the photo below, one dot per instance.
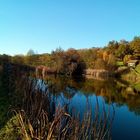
(10, 131)
(122, 67)
(137, 86)
(138, 68)
(120, 63)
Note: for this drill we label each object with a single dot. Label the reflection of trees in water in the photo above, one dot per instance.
(119, 92)
(62, 85)
(69, 92)
(121, 95)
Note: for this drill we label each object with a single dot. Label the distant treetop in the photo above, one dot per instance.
(30, 52)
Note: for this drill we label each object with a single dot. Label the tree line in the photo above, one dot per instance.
(74, 61)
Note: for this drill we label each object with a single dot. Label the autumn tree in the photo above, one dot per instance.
(57, 59)
(68, 62)
(123, 49)
(18, 59)
(100, 64)
(127, 58)
(135, 46)
(111, 64)
(5, 58)
(112, 46)
(31, 58)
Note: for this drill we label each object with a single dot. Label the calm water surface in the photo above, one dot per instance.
(125, 99)
(82, 93)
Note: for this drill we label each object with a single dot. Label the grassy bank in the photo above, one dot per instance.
(131, 75)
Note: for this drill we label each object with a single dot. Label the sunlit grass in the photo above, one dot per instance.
(138, 68)
(10, 130)
(119, 63)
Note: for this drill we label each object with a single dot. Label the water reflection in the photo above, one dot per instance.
(80, 96)
(118, 92)
(124, 97)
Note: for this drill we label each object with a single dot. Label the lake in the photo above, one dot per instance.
(125, 99)
(120, 99)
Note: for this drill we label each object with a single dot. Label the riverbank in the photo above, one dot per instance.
(129, 74)
(132, 75)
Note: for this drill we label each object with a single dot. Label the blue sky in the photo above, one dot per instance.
(43, 25)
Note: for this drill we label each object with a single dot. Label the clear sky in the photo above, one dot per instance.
(43, 25)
